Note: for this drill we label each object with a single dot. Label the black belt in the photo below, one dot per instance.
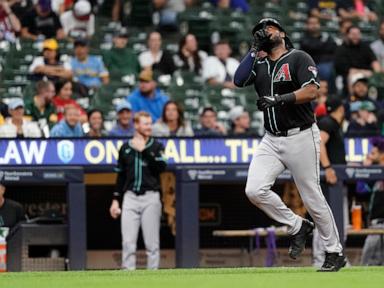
(292, 131)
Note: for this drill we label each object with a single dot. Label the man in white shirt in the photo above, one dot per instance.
(16, 126)
(378, 45)
(79, 22)
(221, 68)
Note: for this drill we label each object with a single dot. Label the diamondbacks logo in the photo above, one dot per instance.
(65, 150)
(283, 74)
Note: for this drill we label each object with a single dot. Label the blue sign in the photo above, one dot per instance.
(178, 151)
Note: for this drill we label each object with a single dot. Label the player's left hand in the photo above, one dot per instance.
(266, 102)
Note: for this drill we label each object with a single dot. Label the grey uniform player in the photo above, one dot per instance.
(286, 79)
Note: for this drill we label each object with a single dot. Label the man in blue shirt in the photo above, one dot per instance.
(148, 97)
(124, 124)
(88, 70)
(70, 126)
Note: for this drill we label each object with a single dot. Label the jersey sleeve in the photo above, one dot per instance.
(306, 70)
(325, 125)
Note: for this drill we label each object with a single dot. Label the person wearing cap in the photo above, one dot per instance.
(79, 22)
(209, 126)
(49, 66)
(147, 97)
(70, 126)
(373, 249)
(124, 124)
(10, 25)
(220, 69)
(17, 126)
(354, 56)
(88, 70)
(286, 81)
(240, 122)
(332, 152)
(121, 60)
(172, 122)
(41, 22)
(365, 122)
(11, 212)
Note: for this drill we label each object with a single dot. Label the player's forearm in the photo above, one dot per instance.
(324, 159)
(244, 74)
(306, 94)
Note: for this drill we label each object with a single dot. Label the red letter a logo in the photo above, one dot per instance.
(283, 74)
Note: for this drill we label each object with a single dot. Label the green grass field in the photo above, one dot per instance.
(209, 278)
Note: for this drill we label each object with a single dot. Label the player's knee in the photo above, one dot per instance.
(255, 193)
(129, 247)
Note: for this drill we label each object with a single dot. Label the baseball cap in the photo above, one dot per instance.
(236, 112)
(81, 42)
(123, 105)
(146, 75)
(15, 103)
(123, 33)
(368, 106)
(82, 10)
(333, 103)
(50, 44)
(45, 5)
(358, 77)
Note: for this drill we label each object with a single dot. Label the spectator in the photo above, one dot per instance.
(60, 6)
(189, 57)
(320, 46)
(221, 68)
(373, 250)
(359, 84)
(209, 124)
(240, 122)
(20, 7)
(148, 97)
(96, 124)
(11, 212)
(365, 124)
(241, 5)
(1, 120)
(322, 96)
(4, 109)
(124, 123)
(155, 58)
(87, 69)
(49, 65)
(172, 122)
(120, 59)
(323, 9)
(343, 28)
(79, 22)
(16, 126)
(41, 22)
(139, 193)
(9, 23)
(70, 126)
(166, 12)
(378, 45)
(64, 97)
(41, 109)
(353, 57)
(359, 10)
(332, 152)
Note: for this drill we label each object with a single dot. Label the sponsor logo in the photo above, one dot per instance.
(283, 74)
(65, 151)
(313, 69)
(53, 175)
(192, 174)
(350, 172)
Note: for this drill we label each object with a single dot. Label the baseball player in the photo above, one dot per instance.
(286, 81)
(139, 165)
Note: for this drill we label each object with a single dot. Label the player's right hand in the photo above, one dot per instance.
(115, 210)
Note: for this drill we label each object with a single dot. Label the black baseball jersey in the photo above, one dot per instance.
(292, 71)
(139, 171)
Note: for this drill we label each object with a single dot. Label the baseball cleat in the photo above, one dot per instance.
(298, 240)
(333, 262)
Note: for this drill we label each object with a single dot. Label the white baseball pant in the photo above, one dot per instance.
(145, 211)
(300, 154)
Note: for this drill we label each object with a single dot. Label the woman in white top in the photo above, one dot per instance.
(172, 122)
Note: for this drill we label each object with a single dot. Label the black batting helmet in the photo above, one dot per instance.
(271, 21)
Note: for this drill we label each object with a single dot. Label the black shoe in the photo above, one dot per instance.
(298, 240)
(333, 262)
